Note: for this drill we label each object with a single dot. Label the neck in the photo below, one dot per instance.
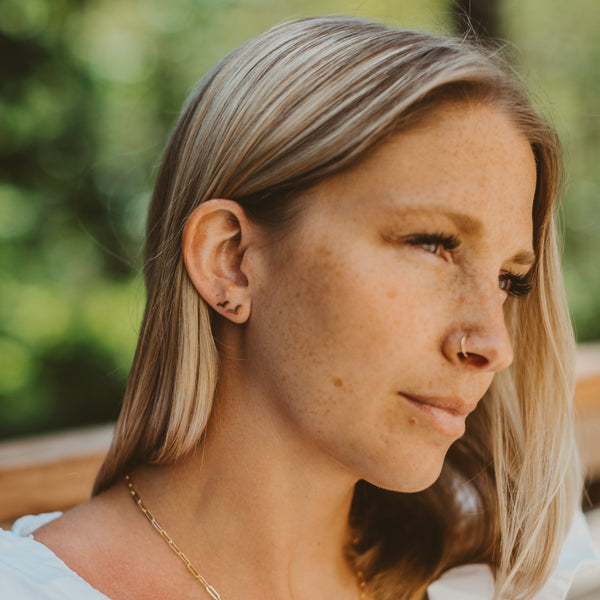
(255, 510)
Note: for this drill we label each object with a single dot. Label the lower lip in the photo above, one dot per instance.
(445, 421)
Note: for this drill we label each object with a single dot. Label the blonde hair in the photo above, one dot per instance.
(297, 104)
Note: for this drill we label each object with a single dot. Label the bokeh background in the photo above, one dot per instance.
(88, 92)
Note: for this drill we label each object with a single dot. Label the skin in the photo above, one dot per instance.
(334, 327)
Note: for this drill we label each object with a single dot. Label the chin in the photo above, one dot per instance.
(408, 481)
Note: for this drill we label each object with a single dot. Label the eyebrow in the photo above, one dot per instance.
(472, 226)
(468, 224)
(526, 257)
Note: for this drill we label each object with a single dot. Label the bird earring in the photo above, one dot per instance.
(229, 310)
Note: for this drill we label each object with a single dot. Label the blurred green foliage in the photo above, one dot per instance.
(559, 49)
(89, 90)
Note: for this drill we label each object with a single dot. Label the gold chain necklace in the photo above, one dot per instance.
(210, 590)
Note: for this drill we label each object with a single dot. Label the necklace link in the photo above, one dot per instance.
(212, 592)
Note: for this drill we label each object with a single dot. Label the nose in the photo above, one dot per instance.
(479, 338)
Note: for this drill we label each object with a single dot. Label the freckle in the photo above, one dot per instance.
(412, 421)
(337, 382)
(391, 294)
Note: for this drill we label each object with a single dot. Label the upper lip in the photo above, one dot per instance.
(454, 404)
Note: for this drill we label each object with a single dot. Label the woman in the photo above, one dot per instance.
(350, 250)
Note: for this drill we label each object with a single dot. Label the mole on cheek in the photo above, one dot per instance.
(412, 421)
(337, 382)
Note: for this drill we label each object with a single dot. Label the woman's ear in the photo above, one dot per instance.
(215, 239)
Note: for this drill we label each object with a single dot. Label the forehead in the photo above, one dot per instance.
(465, 157)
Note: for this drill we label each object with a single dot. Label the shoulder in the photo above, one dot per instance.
(29, 570)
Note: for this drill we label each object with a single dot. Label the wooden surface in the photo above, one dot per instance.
(588, 425)
(56, 471)
(49, 472)
(587, 405)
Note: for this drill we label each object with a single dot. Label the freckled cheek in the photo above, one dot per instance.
(355, 311)
(415, 297)
(365, 313)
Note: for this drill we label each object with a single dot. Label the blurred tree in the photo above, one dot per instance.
(61, 241)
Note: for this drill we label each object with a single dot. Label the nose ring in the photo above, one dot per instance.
(463, 342)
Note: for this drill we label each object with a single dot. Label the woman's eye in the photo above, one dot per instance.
(435, 243)
(432, 247)
(515, 285)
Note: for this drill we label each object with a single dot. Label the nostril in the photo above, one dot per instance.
(473, 359)
(485, 350)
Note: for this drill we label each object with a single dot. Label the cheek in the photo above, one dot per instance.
(333, 342)
(352, 315)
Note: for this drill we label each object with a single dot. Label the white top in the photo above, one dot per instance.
(31, 571)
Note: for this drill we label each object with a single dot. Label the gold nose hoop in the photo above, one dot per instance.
(463, 342)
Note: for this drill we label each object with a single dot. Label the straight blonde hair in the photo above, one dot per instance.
(281, 113)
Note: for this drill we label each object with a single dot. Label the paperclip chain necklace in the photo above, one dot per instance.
(210, 590)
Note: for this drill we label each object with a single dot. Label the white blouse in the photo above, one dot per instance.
(31, 571)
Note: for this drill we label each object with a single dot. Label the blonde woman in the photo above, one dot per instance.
(353, 377)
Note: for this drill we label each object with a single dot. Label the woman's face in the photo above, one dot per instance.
(354, 340)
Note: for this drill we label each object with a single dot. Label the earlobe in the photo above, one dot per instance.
(214, 243)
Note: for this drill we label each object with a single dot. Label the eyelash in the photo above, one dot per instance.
(447, 242)
(518, 285)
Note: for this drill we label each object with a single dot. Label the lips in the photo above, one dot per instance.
(455, 405)
(446, 414)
